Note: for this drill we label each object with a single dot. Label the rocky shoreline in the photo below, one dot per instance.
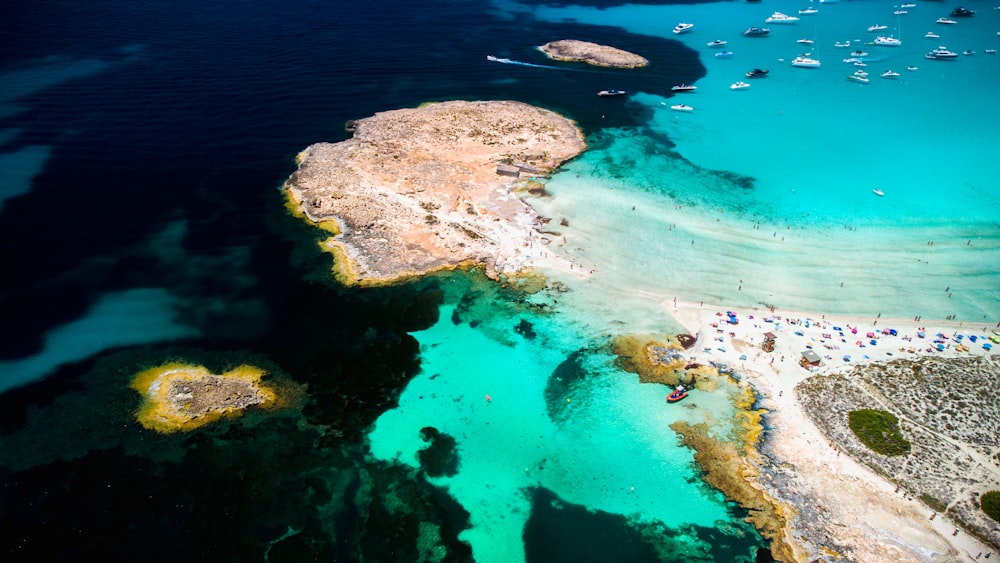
(592, 53)
(433, 188)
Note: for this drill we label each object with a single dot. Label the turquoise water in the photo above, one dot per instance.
(761, 196)
(775, 183)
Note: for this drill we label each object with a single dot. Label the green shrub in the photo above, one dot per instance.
(933, 502)
(879, 430)
(990, 503)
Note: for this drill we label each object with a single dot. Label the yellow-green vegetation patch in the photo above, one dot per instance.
(990, 503)
(179, 397)
(879, 430)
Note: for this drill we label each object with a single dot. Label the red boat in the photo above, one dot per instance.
(679, 393)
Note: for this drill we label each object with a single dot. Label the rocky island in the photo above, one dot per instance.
(181, 397)
(592, 53)
(432, 188)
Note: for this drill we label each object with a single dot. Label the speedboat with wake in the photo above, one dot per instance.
(878, 192)
(739, 85)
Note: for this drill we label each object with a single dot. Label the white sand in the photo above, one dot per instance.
(879, 523)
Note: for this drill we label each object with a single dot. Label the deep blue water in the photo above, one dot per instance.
(169, 127)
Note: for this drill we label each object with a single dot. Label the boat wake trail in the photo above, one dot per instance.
(522, 63)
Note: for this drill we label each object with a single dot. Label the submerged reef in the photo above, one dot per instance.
(592, 53)
(181, 397)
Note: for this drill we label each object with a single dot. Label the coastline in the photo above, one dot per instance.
(843, 507)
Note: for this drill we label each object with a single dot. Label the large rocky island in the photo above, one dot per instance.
(592, 53)
(431, 188)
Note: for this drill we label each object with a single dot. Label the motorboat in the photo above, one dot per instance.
(961, 12)
(942, 54)
(877, 27)
(909, 5)
(854, 60)
(932, 35)
(683, 88)
(842, 44)
(717, 43)
(681, 107)
(911, 67)
(756, 32)
(859, 53)
(683, 27)
(946, 21)
(878, 192)
(859, 76)
(678, 393)
(900, 12)
(889, 41)
(990, 51)
(860, 64)
(805, 62)
(757, 73)
(808, 11)
(724, 55)
(739, 85)
(890, 74)
(968, 52)
(611, 93)
(805, 41)
(779, 17)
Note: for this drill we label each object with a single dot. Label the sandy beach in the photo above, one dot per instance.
(873, 518)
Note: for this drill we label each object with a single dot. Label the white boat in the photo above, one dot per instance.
(889, 41)
(683, 88)
(739, 85)
(717, 43)
(910, 5)
(724, 55)
(932, 35)
(946, 21)
(900, 12)
(805, 41)
(890, 74)
(778, 17)
(877, 27)
(968, 52)
(611, 93)
(878, 192)
(682, 27)
(990, 51)
(842, 44)
(942, 54)
(911, 67)
(681, 107)
(860, 64)
(854, 60)
(808, 11)
(805, 62)
(859, 53)
(860, 76)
